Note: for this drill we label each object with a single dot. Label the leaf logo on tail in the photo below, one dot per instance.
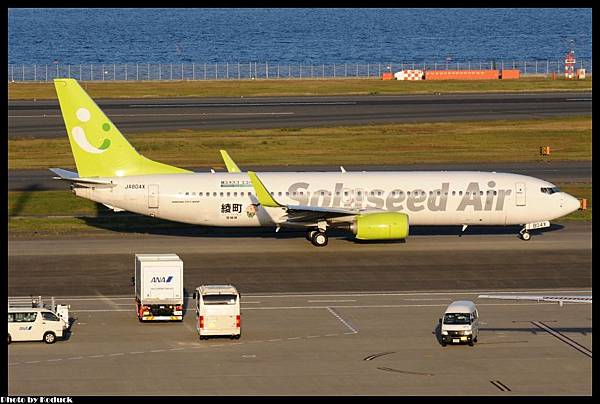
(83, 115)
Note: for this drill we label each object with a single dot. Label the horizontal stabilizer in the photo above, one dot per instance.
(74, 177)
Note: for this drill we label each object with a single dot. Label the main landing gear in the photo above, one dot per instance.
(317, 237)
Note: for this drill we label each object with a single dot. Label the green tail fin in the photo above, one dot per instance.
(98, 147)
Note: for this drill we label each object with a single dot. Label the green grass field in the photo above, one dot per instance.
(385, 144)
(293, 87)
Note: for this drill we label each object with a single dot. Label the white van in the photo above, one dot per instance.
(217, 311)
(460, 323)
(34, 324)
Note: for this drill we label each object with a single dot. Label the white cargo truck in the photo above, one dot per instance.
(158, 287)
(217, 311)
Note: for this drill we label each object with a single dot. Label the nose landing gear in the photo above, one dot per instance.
(525, 236)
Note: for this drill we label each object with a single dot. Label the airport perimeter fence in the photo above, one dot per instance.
(255, 70)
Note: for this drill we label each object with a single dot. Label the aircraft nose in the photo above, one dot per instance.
(570, 203)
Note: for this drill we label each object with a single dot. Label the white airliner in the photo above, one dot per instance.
(371, 205)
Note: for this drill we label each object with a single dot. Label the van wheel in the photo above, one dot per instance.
(475, 339)
(236, 336)
(443, 343)
(9, 339)
(49, 337)
(471, 343)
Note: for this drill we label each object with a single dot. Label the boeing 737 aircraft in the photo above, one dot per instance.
(371, 205)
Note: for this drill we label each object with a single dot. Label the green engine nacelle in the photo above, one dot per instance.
(381, 226)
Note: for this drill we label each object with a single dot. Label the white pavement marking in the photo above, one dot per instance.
(256, 104)
(181, 349)
(107, 300)
(375, 306)
(336, 315)
(363, 294)
(330, 301)
(441, 298)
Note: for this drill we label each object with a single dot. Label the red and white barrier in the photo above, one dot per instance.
(409, 75)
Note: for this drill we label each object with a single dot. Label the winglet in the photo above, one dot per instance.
(229, 163)
(264, 197)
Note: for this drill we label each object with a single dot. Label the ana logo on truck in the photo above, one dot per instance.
(161, 279)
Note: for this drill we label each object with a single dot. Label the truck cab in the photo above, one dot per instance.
(460, 323)
(217, 311)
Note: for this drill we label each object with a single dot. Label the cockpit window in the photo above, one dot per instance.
(549, 191)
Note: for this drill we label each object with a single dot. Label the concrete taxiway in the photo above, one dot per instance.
(262, 261)
(43, 119)
(348, 319)
(554, 171)
(381, 343)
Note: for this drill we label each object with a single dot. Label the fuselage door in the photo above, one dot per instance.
(520, 193)
(153, 196)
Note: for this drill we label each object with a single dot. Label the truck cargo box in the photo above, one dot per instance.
(159, 278)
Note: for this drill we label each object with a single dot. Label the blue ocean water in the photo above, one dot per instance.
(74, 36)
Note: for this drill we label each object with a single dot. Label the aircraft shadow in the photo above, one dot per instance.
(23, 199)
(125, 222)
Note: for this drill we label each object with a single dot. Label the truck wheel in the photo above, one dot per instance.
(9, 339)
(49, 337)
(475, 340)
(443, 343)
(471, 343)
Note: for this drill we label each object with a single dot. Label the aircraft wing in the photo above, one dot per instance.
(542, 298)
(297, 213)
(74, 177)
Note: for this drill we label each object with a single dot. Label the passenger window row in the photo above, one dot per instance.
(359, 193)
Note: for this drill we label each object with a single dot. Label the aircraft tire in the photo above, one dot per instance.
(319, 239)
(310, 234)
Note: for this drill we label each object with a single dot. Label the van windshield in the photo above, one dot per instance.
(456, 318)
(219, 299)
